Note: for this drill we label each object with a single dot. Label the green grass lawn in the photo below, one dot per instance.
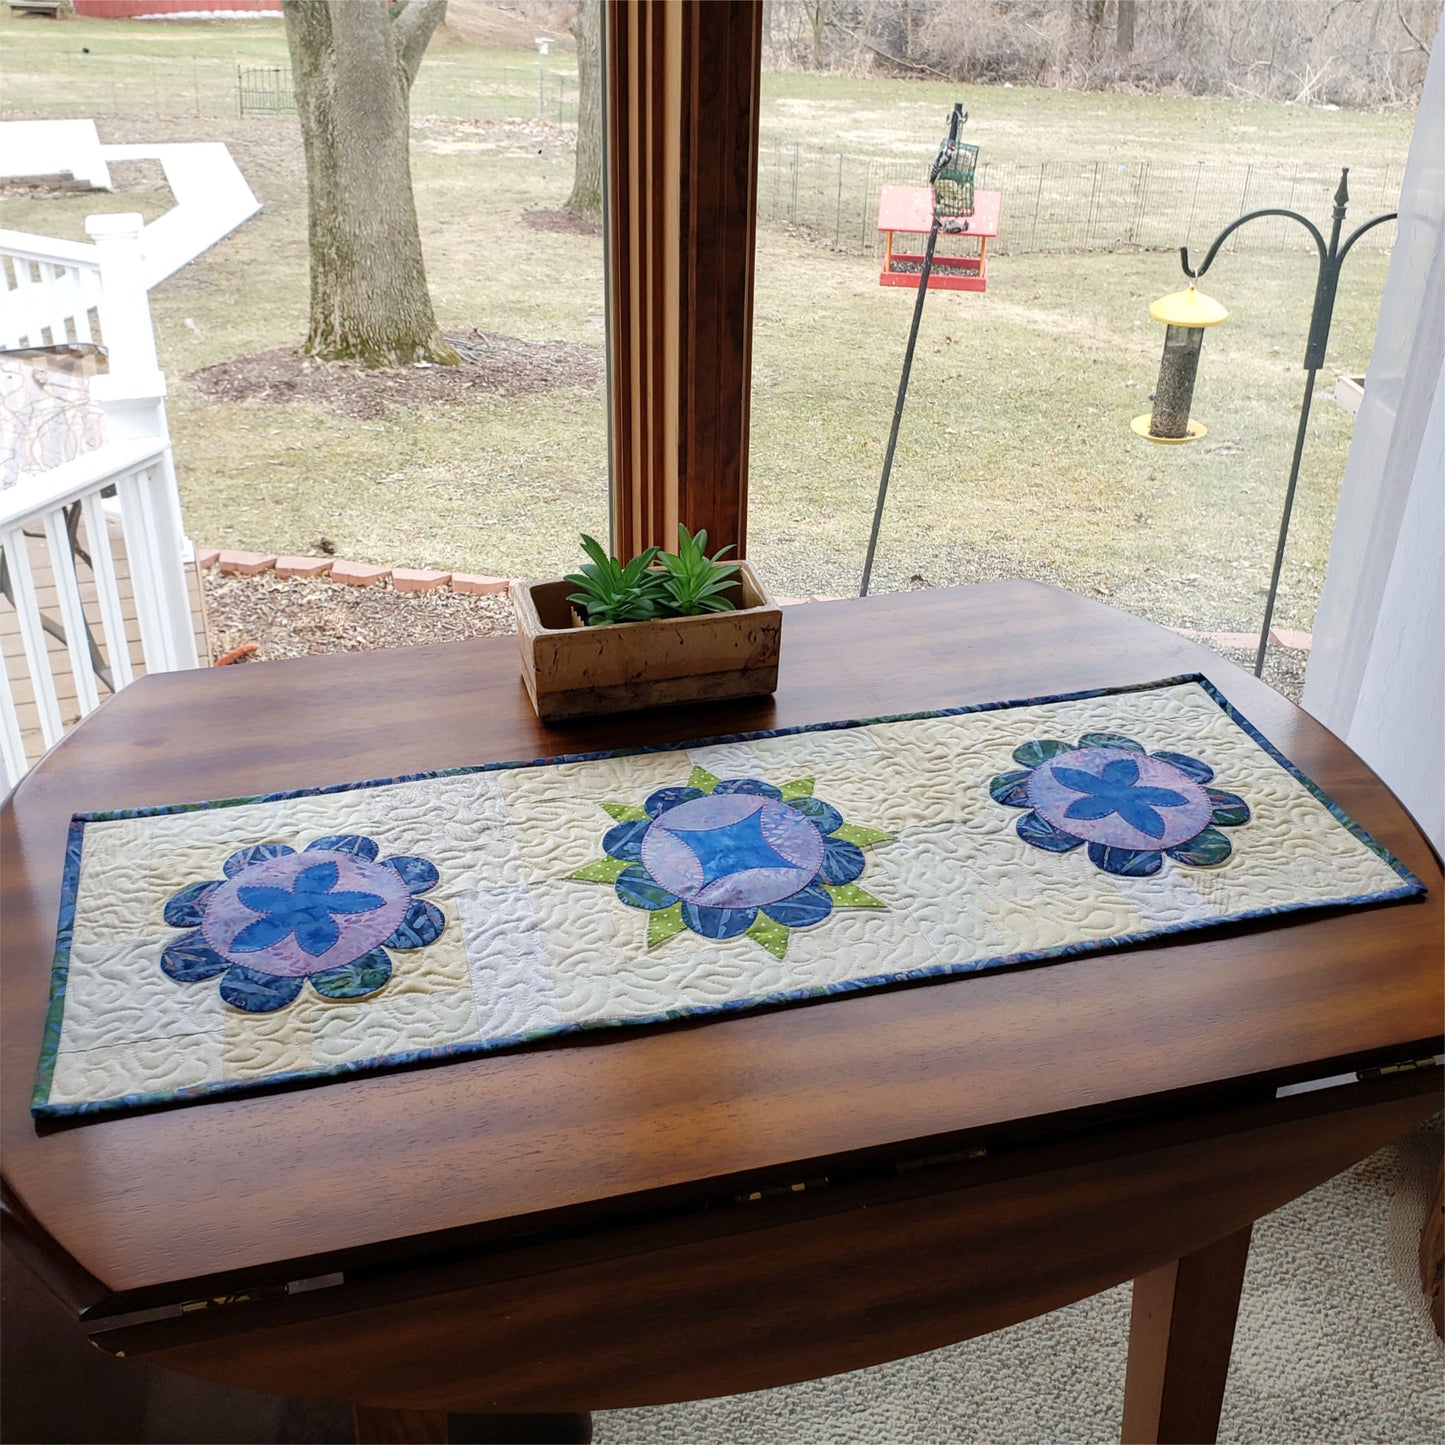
(901, 119)
(1015, 456)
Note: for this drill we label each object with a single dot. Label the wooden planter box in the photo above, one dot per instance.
(574, 671)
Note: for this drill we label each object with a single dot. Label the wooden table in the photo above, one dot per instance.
(617, 1221)
(908, 211)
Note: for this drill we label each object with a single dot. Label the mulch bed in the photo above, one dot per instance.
(492, 365)
(299, 617)
(561, 223)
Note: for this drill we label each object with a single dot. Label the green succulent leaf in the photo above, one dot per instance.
(693, 582)
(608, 591)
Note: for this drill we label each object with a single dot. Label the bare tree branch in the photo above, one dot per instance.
(413, 22)
(1400, 16)
(867, 44)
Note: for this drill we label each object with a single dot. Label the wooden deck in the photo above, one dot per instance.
(13, 651)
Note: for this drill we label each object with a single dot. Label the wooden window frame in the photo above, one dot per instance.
(680, 123)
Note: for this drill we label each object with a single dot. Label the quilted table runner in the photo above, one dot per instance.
(208, 949)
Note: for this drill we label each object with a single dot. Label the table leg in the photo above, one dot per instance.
(1432, 1254)
(376, 1425)
(1180, 1334)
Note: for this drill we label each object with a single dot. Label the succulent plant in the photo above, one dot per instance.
(693, 581)
(609, 591)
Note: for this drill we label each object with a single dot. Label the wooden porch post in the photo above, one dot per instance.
(681, 120)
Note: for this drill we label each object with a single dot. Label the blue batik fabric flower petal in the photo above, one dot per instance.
(749, 786)
(1125, 862)
(1031, 755)
(1111, 740)
(803, 909)
(353, 843)
(842, 862)
(822, 816)
(636, 888)
(418, 874)
(1042, 834)
(1205, 850)
(1230, 810)
(1201, 772)
(718, 922)
(254, 992)
(625, 840)
(423, 924)
(665, 798)
(357, 979)
(186, 908)
(1011, 788)
(190, 959)
(244, 858)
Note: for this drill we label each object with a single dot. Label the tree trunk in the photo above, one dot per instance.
(818, 18)
(1124, 30)
(586, 197)
(352, 63)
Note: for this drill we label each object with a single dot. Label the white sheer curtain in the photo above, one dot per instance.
(1376, 676)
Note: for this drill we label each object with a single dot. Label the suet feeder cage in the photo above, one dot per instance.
(952, 180)
(1185, 315)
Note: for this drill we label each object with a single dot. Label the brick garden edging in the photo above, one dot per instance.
(352, 574)
(422, 579)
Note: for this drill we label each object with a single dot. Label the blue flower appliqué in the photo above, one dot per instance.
(725, 857)
(1118, 790)
(306, 909)
(279, 918)
(1129, 806)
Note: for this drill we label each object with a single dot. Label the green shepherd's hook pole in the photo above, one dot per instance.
(953, 124)
(898, 406)
(1331, 258)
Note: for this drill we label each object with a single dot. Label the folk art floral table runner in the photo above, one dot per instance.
(214, 948)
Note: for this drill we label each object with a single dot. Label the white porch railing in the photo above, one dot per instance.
(51, 291)
(66, 521)
(74, 641)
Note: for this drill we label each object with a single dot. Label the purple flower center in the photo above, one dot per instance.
(304, 913)
(1119, 798)
(732, 850)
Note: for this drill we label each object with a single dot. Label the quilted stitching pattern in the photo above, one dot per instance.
(528, 947)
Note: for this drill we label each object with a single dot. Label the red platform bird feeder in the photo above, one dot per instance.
(907, 211)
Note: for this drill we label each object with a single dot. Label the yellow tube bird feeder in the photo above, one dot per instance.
(1185, 314)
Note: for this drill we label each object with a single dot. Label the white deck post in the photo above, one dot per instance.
(125, 312)
(132, 396)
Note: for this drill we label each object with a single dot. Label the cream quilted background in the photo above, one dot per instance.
(525, 945)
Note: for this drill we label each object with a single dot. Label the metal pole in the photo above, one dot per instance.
(1299, 448)
(1331, 258)
(898, 406)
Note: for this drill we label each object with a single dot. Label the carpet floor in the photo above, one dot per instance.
(1333, 1345)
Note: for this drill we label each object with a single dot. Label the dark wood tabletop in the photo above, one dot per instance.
(243, 1188)
(399, 1175)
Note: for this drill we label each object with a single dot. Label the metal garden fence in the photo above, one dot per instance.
(1052, 206)
(1076, 206)
(264, 90)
